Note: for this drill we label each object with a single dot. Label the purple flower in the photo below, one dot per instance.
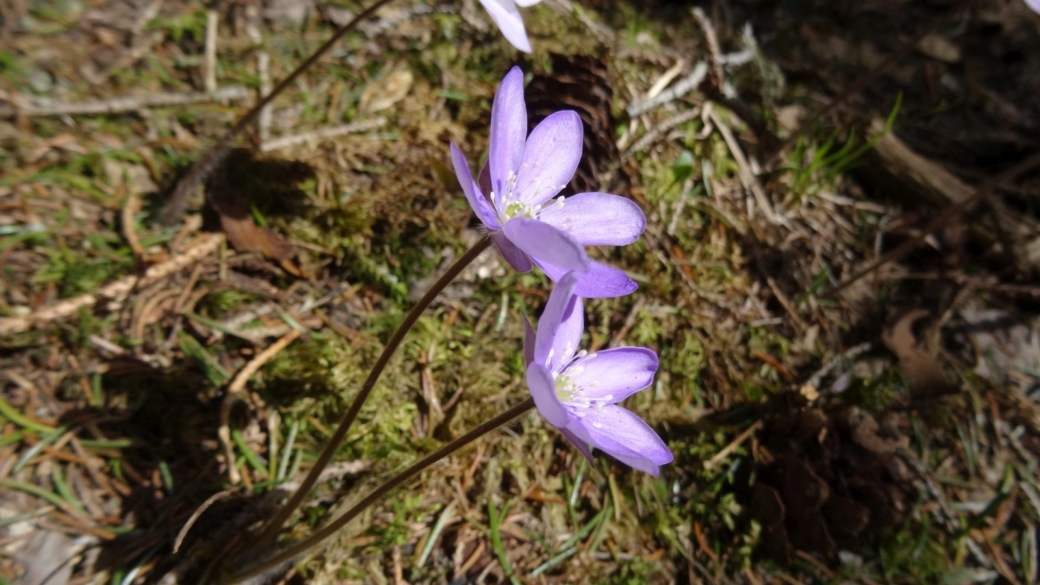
(514, 197)
(507, 17)
(1034, 4)
(578, 391)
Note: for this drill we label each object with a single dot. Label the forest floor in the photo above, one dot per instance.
(839, 274)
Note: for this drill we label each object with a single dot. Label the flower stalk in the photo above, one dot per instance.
(393, 483)
(275, 524)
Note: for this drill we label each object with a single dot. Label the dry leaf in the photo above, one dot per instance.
(242, 180)
(866, 433)
(919, 367)
(242, 230)
(939, 49)
(386, 92)
(136, 177)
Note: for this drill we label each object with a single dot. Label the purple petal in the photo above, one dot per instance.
(543, 390)
(546, 244)
(578, 442)
(526, 3)
(625, 437)
(597, 219)
(599, 282)
(550, 158)
(561, 312)
(567, 336)
(508, 130)
(1034, 4)
(617, 373)
(515, 256)
(507, 17)
(484, 179)
(481, 206)
(529, 341)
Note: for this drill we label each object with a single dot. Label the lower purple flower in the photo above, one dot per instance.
(578, 392)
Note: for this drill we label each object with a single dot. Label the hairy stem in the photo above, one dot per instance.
(271, 530)
(211, 158)
(385, 489)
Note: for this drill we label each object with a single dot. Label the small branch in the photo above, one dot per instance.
(322, 134)
(36, 106)
(981, 193)
(786, 304)
(209, 62)
(206, 245)
(263, 68)
(712, 41)
(729, 449)
(844, 359)
(681, 88)
(647, 139)
(198, 512)
(238, 383)
(747, 177)
(130, 207)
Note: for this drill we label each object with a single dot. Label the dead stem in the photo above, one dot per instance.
(383, 490)
(38, 106)
(237, 385)
(941, 219)
(271, 530)
(203, 246)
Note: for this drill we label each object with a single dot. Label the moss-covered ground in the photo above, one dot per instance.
(818, 437)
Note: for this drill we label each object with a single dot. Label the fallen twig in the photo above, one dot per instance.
(711, 39)
(729, 449)
(654, 133)
(205, 245)
(681, 88)
(747, 177)
(983, 191)
(198, 512)
(238, 383)
(40, 106)
(323, 134)
(844, 359)
(210, 60)
(130, 207)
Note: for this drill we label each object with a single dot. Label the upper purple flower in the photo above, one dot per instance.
(514, 198)
(578, 391)
(507, 17)
(1034, 4)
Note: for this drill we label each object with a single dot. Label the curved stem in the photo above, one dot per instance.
(271, 530)
(214, 155)
(384, 489)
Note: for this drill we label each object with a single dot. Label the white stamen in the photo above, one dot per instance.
(576, 398)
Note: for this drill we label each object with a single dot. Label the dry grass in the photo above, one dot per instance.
(111, 413)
